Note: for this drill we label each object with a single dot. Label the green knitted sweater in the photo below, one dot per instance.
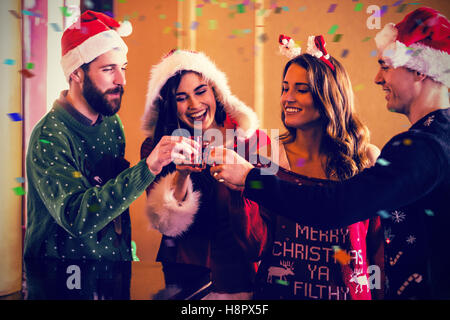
(80, 188)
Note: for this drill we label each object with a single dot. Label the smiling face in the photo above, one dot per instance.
(398, 84)
(196, 103)
(296, 100)
(103, 82)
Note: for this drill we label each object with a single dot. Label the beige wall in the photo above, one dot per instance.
(241, 55)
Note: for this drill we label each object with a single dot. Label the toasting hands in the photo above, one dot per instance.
(230, 169)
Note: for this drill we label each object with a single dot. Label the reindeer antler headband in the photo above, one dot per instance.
(316, 48)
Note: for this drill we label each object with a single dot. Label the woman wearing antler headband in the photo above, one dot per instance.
(324, 143)
(202, 221)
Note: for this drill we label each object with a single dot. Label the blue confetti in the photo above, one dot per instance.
(384, 214)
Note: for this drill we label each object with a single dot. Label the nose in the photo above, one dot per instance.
(193, 103)
(120, 78)
(379, 78)
(288, 96)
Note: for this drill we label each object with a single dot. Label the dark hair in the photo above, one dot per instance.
(167, 108)
(345, 138)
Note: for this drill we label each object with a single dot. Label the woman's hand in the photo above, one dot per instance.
(230, 169)
(171, 148)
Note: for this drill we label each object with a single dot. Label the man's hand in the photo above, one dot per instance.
(170, 148)
(230, 169)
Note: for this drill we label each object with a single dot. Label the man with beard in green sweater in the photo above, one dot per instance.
(79, 184)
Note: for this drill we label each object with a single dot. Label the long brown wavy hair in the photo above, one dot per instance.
(345, 138)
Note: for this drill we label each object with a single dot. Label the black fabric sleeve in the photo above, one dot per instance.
(409, 167)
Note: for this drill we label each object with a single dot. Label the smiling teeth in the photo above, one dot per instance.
(198, 114)
(289, 109)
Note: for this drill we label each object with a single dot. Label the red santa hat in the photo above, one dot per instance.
(92, 35)
(421, 42)
(179, 60)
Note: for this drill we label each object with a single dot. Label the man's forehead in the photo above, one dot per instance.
(114, 56)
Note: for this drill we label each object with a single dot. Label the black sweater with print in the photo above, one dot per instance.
(409, 186)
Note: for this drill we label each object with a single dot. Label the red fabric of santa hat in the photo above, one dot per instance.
(421, 42)
(92, 35)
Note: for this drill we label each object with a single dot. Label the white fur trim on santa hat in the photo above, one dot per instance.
(426, 60)
(198, 62)
(168, 215)
(90, 49)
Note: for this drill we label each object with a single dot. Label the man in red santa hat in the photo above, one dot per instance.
(79, 184)
(410, 184)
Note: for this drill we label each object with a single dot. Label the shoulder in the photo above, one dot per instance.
(372, 153)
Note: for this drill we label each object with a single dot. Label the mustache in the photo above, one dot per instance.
(118, 89)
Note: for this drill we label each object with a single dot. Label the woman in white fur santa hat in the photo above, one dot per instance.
(202, 221)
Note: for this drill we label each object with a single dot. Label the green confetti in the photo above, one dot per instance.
(282, 282)
(44, 141)
(366, 39)
(198, 12)
(162, 16)
(333, 29)
(134, 250)
(94, 207)
(240, 8)
(256, 184)
(212, 24)
(29, 65)
(19, 191)
(65, 12)
(358, 7)
(337, 37)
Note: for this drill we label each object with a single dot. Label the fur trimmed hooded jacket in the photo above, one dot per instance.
(213, 227)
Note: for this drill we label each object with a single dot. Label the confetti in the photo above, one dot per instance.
(15, 116)
(212, 24)
(56, 27)
(9, 62)
(240, 8)
(366, 39)
(26, 73)
(401, 8)
(332, 8)
(344, 53)
(358, 87)
(20, 179)
(198, 12)
(31, 13)
(282, 282)
(384, 214)
(429, 212)
(29, 65)
(167, 30)
(256, 184)
(19, 191)
(194, 25)
(358, 7)
(333, 29)
(407, 142)
(301, 9)
(162, 16)
(44, 141)
(263, 38)
(337, 37)
(300, 162)
(383, 162)
(15, 14)
(65, 11)
(278, 10)
(397, 3)
(342, 257)
(134, 250)
(76, 174)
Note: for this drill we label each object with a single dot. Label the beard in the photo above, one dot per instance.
(99, 101)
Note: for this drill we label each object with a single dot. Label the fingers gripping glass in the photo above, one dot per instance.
(201, 159)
